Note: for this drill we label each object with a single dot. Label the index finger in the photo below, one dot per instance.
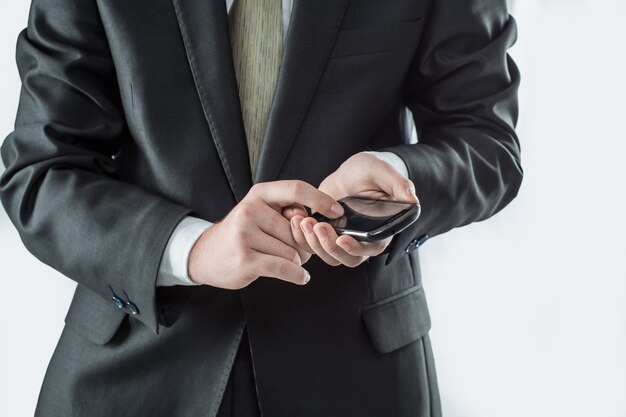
(279, 194)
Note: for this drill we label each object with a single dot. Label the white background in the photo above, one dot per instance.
(528, 308)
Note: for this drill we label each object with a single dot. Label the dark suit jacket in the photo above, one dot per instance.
(129, 120)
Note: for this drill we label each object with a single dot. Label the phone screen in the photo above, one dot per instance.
(367, 214)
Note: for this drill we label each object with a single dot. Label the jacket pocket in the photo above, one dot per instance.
(374, 39)
(93, 317)
(398, 320)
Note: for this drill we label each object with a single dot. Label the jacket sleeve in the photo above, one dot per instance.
(60, 188)
(462, 91)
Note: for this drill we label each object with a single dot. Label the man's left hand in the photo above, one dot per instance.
(364, 175)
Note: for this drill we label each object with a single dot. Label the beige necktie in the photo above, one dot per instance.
(257, 44)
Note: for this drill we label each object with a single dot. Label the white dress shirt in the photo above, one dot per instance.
(173, 268)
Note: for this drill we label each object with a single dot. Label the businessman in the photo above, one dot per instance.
(163, 156)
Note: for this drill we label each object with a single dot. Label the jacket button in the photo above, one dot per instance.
(416, 243)
(421, 240)
(411, 246)
(132, 308)
(119, 303)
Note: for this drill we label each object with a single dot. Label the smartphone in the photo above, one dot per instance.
(372, 220)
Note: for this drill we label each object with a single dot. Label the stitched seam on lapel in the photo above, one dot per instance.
(202, 94)
(317, 80)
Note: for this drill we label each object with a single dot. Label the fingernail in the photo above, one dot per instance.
(297, 260)
(337, 210)
(321, 232)
(308, 228)
(307, 278)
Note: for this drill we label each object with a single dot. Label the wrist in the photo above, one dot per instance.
(392, 159)
(196, 261)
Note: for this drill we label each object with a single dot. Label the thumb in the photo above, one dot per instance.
(390, 181)
(295, 210)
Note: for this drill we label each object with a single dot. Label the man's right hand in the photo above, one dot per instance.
(255, 239)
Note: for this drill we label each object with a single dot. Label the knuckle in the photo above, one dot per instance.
(241, 235)
(302, 257)
(299, 187)
(281, 268)
(255, 266)
(248, 278)
(245, 211)
(333, 262)
(353, 262)
(290, 254)
(256, 189)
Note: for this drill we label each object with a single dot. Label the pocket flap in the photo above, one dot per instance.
(398, 320)
(93, 317)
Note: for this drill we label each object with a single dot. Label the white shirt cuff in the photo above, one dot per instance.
(392, 159)
(173, 268)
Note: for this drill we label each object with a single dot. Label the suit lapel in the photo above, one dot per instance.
(312, 32)
(205, 32)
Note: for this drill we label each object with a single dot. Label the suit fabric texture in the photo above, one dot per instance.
(129, 119)
(239, 398)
